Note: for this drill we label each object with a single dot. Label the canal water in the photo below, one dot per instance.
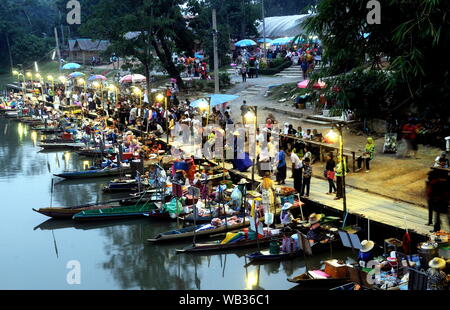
(37, 252)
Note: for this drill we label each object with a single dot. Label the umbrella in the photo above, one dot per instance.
(267, 40)
(97, 77)
(244, 43)
(71, 66)
(132, 78)
(76, 74)
(303, 84)
(199, 56)
(216, 99)
(281, 41)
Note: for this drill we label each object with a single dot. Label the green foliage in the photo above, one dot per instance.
(414, 36)
(27, 25)
(275, 66)
(224, 80)
(235, 20)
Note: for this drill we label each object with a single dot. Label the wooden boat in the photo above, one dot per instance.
(308, 279)
(88, 152)
(122, 186)
(217, 246)
(162, 216)
(69, 212)
(59, 140)
(266, 256)
(96, 173)
(48, 130)
(334, 274)
(115, 213)
(189, 232)
(54, 146)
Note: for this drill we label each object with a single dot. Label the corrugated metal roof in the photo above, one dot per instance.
(88, 45)
(283, 26)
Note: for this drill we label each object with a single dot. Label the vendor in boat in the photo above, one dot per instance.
(436, 278)
(178, 180)
(157, 176)
(316, 233)
(365, 253)
(286, 216)
(236, 196)
(267, 193)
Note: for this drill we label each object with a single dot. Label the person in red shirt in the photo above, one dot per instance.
(409, 131)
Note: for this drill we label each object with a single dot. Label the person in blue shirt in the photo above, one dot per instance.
(365, 253)
(281, 167)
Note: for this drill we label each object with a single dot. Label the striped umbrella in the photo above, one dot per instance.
(132, 78)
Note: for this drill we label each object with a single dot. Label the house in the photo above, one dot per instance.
(82, 50)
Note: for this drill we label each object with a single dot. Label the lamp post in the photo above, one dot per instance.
(332, 136)
(38, 75)
(160, 97)
(252, 114)
(51, 79)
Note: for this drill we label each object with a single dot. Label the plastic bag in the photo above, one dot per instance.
(236, 194)
(268, 218)
(173, 207)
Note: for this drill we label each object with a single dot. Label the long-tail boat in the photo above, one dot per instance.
(199, 231)
(115, 213)
(95, 173)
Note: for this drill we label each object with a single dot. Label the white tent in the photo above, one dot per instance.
(283, 26)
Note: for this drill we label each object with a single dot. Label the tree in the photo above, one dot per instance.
(23, 31)
(414, 35)
(142, 29)
(236, 19)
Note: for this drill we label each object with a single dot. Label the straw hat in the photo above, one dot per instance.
(437, 263)
(314, 218)
(367, 245)
(243, 181)
(286, 206)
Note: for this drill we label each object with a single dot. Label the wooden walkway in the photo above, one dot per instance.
(367, 205)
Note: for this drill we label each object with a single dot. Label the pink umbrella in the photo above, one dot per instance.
(132, 78)
(303, 84)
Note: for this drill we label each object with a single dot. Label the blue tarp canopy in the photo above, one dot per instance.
(216, 99)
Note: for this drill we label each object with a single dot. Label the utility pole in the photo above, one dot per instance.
(9, 51)
(57, 50)
(216, 56)
(264, 30)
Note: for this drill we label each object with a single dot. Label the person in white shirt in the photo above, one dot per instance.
(308, 135)
(297, 166)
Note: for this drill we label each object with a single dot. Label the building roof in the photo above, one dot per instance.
(283, 26)
(88, 45)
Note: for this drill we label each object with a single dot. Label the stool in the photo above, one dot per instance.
(392, 242)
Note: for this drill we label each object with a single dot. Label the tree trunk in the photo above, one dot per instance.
(166, 58)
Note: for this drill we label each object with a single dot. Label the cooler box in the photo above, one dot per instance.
(336, 270)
